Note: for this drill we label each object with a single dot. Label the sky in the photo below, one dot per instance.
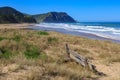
(81, 10)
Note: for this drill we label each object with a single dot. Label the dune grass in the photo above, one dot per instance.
(46, 50)
(43, 33)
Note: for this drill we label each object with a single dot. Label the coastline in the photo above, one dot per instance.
(28, 26)
(80, 34)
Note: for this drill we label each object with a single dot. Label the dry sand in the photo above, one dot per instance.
(15, 26)
(112, 71)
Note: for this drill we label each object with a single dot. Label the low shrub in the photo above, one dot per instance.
(43, 33)
(5, 53)
(2, 38)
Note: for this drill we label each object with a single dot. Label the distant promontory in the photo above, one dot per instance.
(54, 17)
(11, 15)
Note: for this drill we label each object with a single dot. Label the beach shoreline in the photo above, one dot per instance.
(73, 33)
(28, 26)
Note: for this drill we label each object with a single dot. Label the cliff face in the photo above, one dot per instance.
(54, 17)
(10, 15)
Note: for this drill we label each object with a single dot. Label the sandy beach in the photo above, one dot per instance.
(16, 26)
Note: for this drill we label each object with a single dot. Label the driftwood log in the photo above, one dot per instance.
(82, 61)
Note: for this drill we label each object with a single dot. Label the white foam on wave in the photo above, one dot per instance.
(107, 32)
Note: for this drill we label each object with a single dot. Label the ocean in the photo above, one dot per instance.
(106, 30)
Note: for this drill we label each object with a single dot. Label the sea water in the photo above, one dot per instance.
(103, 29)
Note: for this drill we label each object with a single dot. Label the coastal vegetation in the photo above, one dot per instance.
(39, 55)
(54, 17)
(11, 15)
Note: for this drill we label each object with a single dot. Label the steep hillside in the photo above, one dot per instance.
(54, 17)
(10, 15)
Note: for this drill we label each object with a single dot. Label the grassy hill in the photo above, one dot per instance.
(10, 15)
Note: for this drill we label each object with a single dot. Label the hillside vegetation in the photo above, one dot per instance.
(54, 17)
(10, 15)
(39, 55)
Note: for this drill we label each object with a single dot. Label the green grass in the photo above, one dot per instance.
(52, 40)
(2, 38)
(17, 38)
(43, 33)
(6, 53)
(32, 52)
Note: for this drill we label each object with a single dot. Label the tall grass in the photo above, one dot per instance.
(43, 54)
(52, 40)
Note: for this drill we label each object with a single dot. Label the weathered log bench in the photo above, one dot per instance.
(82, 61)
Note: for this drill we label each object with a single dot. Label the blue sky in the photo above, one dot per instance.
(82, 10)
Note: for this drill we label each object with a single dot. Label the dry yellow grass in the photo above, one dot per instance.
(17, 63)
